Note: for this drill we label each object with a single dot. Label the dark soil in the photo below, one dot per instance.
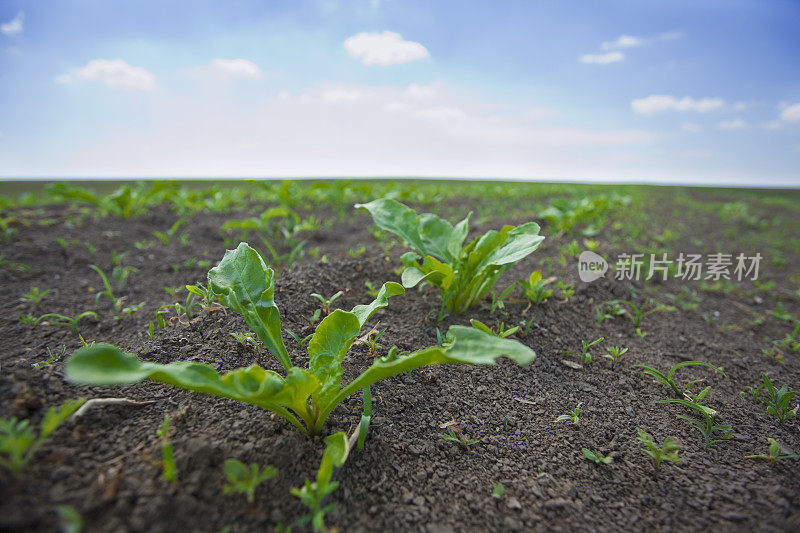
(107, 464)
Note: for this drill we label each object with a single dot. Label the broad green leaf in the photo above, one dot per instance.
(327, 349)
(104, 364)
(243, 282)
(389, 289)
(337, 448)
(470, 346)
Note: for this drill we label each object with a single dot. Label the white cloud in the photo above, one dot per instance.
(113, 73)
(384, 49)
(791, 113)
(443, 113)
(772, 125)
(237, 67)
(339, 94)
(623, 41)
(602, 59)
(740, 106)
(658, 103)
(733, 124)
(14, 26)
(415, 90)
(691, 126)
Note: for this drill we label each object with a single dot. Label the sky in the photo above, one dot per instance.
(694, 92)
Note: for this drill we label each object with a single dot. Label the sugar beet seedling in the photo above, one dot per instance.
(305, 397)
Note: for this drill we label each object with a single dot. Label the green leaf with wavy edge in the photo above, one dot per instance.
(470, 346)
(105, 364)
(243, 282)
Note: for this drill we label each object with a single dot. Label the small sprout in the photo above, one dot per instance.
(584, 356)
(498, 491)
(774, 454)
(499, 329)
(71, 520)
(371, 290)
(168, 460)
(637, 314)
(297, 339)
(614, 353)
(372, 342)
(356, 253)
(706, 424)
(35, 296)
(325, 304)
(18, 442)
(120, 274)
(133, 309)
(596, 457)
(107, 292)
(781, 314)
(245, 480)
(779, 400)
(60, 320)
(456, 434)
(681, 392)
(567, 290)
(573, 416)
(668, 451)
(51, 357)
(246, 338)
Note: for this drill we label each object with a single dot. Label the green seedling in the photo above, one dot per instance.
(168, 459)
(596, 457)
(133, 309)
(59, 320)
(35, 296)
(573, 416)
(356, 253)
(51, 357)
(246, 338)
(498, 491)
(305, 397)
(366, 418)
(680, 392)
(500, 329)
(584, 356)
(779, 401)
(614, 353)
(456, 435)
(774, 454)
(462, 274)
(312, 494)
(782, 314)
(120, 274)
(245, 480)
(300, 342)
(371, 290)
(706, 424)
(668, 451)
(107, 292)
(499, 302)
(18, 443)
(327, 303)
(567, 290)
(71, 520)
(637, 314)
(14, 266)
(166, 236)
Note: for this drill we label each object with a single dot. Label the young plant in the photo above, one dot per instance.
(304, 397)
(706, 424)
(456, 435)
(614, 353)
(462, 274)
(535, 288)
(35, 296)
(312, 494)
(573, 416)
(60, 320)
(372, 342)
(501, 330)
(567, 290)
(584, 356)
(245, 480)
(498, 491)
(637, 314)
(774, 454)
(327, 303)
(108, 292)
(18, 441)
(680, 392)
(668, 451)
(779, 400)
(596, 457)
(167, 458)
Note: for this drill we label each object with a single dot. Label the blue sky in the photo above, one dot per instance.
(678, 92)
